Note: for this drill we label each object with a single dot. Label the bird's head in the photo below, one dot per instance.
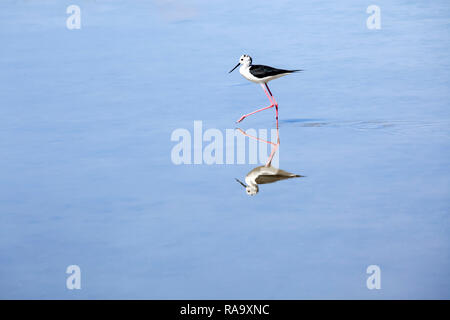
(243, 60)
(251, 190)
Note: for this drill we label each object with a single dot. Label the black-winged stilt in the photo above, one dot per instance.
(263, 175)
(260, 74)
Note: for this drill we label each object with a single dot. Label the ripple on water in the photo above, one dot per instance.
(388, 126)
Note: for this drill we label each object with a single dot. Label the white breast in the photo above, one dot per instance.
(245, 71)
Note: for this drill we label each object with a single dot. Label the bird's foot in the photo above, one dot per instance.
(240, 119)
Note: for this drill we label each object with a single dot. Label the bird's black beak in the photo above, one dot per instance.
(234, 68)
(243, 184)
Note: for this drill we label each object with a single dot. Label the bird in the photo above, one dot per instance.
(260, 74)
(263, 175)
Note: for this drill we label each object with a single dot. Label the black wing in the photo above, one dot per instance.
(263, 179)
(261, 71)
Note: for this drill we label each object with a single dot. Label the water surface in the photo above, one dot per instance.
(87, 178)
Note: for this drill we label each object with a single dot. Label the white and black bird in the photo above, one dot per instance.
(260, 74)
(264, 175)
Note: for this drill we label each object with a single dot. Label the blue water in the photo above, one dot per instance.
(86, 174)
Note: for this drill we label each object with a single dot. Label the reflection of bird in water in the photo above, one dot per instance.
(264, 175)
(267, 173)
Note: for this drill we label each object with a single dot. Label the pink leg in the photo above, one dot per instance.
(255, 138)
(275, 146)
(249, 114)
(269, 161)
(271, 106)
(273, 102)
